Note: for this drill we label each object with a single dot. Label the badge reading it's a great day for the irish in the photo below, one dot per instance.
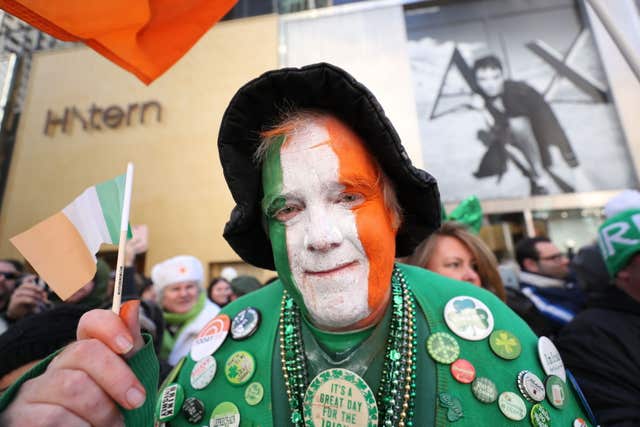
(338, 397)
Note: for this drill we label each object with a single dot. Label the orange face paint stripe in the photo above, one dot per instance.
(373, 219)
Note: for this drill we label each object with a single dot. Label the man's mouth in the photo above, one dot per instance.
(328, 272)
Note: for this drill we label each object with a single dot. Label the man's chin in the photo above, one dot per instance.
(338, 316)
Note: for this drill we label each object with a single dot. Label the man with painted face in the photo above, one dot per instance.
(327, 196)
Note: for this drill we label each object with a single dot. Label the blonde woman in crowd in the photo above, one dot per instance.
(454, 252)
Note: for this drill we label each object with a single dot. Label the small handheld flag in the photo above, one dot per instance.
(62, 248)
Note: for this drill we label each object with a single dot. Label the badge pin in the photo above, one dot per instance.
(254, 393)
(339, 394)
(203, 372)
(469, 318)
(239, 367)
(443, 347)
(540, 417)
(463, 371)
(193, 410)
(504, 344)
(245, 323)
(512, 406)
(453, 405)
(556, 391)
(531, 386)
(210, 337)
(225, 414)
(550, 358)
(484, 390)
(169, 402)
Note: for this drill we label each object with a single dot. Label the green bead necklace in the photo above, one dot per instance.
(396, 393)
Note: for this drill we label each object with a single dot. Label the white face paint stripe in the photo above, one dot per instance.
(324, 234)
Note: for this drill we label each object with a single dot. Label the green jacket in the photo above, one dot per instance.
(431, 292)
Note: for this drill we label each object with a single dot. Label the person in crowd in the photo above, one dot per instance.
(333, 200)
(10, 272)
(220, 291)
(33, 296)
(243, 285)
(543, 281)
(35, 337)
(454, 252)
(185, 307)
(589, 266)
(601, 345)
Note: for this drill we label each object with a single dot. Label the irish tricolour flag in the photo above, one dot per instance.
(62, 248)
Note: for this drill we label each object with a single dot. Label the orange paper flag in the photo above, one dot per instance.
(145, 37)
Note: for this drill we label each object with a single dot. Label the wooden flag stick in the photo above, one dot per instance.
(124, 227)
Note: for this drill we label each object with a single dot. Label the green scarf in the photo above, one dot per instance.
(182, 319)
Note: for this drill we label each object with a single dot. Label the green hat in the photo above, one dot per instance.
(619, 240)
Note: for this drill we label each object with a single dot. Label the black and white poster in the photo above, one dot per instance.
(513, 101)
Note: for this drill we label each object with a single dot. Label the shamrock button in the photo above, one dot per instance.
(504, 344)
(239, 367)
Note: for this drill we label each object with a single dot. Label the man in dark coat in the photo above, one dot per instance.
(515, 107)
(601, 346)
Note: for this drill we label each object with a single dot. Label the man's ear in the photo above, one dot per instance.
(530, 264)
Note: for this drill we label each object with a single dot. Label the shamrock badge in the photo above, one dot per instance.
(453, 405)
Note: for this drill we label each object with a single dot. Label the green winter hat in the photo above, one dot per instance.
(619, 240)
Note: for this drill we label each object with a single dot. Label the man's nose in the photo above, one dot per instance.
(322, 233)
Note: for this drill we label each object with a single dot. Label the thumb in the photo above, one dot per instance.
(129, 313)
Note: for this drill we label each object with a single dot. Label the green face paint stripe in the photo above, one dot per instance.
(272, 188)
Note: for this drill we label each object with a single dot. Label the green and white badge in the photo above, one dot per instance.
(468, 318)
(225, 414)
(169, 403)
(240, 367)
(512, 406)
(339, 397)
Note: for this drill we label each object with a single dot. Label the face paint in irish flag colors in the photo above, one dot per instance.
(331, 233)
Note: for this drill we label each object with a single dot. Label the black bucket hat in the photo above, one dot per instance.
(259, 104)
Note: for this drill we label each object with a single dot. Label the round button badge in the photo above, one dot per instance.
(210, 337)
(484, 390)
(550, 358)
(531, 386)
(239, 367)
(169, 403)
(579, 422)
(245, 323)
(203, 372)
(540, 417)
(512, 406)
(339, 395)
(193, 410)
(225, 414)
(504, 344)
(468, 318)
(254, 393)
(443, 347)
(463, 371)
(556, 391)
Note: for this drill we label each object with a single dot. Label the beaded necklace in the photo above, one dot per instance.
(396, 393)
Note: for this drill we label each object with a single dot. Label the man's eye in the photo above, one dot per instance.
(287, 213)
(350, 198)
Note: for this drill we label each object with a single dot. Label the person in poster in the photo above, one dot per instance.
(518, 116)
